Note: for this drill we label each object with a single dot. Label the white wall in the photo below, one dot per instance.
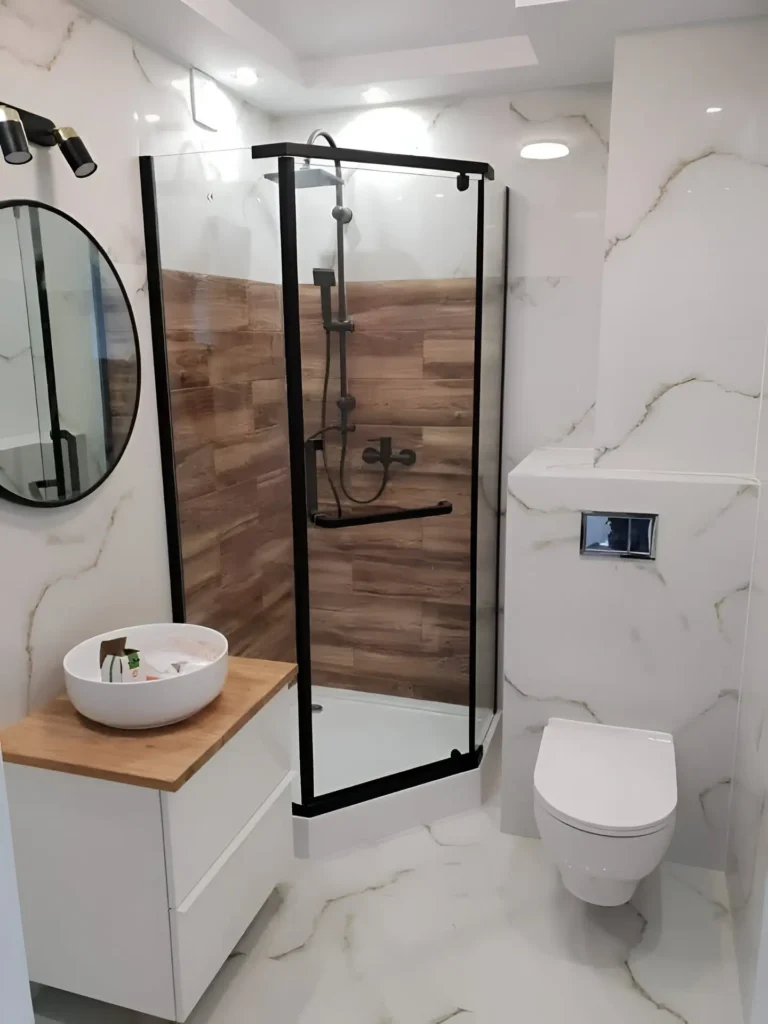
(748, 833)
(684, 302)
(102, 562)
(682, 346)
(649, 645)
(556, 253)
(15, 1002)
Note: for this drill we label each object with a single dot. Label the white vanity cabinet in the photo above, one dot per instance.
(15, 999)
(142, 857)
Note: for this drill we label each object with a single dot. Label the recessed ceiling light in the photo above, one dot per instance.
(151, 118)
(714, 110)
(375, 95)
(439, 195)
(246, 76)
(544, 150)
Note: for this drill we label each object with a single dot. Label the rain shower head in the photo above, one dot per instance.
(308, 176)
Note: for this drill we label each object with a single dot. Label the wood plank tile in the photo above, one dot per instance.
(413, 305)
(445, 628)
(275, 497)
(371, 622)
(385, 354)
(427, 403)
(447, 451)
(275, 636)
(188, 357)
(257, 454)
(265, 311)
(192, 412)
(203, 571)
(202, 603)
(239, 356)
(412, 668)
(233, 411)
(313, 348)
(240, 562)
(204, 302)
(268, 403)
(403, 575)
(448, 536)
(449, 354)
(200, 521)
(332, 655)
(229, 619)
(195, 472)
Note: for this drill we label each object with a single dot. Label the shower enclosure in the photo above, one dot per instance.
(328, 329)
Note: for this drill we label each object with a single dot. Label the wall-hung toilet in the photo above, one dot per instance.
(604, 800)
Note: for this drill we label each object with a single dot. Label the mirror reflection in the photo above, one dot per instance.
(69, 362)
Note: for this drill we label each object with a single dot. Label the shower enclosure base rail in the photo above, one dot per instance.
(337, 831)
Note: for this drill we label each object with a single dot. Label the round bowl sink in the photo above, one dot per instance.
(150, 703)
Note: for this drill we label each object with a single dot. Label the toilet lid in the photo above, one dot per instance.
(607, 779)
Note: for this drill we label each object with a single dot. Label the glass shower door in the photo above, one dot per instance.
(388, 381)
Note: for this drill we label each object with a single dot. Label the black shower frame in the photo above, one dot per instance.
(286, 153)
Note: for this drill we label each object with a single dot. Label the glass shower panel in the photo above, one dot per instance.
(219, 241)
(489, 407)
(388, 413)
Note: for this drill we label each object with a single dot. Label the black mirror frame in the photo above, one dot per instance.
(19, 499)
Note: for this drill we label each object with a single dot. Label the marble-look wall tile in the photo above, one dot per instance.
(102, 562)
(556, 236)
(653, 645)
(684, 297)
(747, 860)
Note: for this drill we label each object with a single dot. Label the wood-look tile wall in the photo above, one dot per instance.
(227, 377)
(390, 602)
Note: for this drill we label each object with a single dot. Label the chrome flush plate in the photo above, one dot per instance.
(618, 534)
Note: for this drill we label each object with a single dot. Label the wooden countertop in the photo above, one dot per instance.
(56, 737)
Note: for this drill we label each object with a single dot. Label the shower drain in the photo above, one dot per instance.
(316, 708)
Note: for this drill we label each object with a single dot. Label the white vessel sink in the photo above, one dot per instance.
(149, 703)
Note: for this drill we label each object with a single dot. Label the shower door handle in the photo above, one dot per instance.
(442, 508)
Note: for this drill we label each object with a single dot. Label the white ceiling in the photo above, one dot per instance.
(320, 54)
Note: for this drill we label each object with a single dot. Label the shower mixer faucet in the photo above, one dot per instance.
(385, 455)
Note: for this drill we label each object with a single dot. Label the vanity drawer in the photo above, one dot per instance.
(202, 818)
(208, 924)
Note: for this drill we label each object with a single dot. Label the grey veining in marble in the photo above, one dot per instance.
(460, 922)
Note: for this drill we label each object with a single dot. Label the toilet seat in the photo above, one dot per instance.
(607, 780)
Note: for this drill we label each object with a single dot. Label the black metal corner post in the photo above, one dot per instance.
(476, 465)
(162, 386)
(502, 483)
(295, 398)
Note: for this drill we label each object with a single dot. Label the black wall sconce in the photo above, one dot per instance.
(20, 127)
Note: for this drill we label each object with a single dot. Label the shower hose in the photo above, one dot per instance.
(344, 431)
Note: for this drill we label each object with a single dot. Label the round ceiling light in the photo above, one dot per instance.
(544, 151)
(246, 76)
(375, 95)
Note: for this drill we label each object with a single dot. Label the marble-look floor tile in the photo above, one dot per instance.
(460, 922)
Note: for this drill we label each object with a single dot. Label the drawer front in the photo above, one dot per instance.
(206, 814)
(208, 924)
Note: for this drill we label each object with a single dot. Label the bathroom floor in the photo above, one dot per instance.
(363, 736)
(458, 921)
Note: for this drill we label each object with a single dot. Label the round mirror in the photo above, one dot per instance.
(69, 358)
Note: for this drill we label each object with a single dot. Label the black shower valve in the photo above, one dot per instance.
(385, 455)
